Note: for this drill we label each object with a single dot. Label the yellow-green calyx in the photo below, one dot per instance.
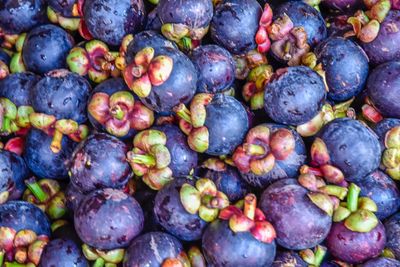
(203, 199)
(102, 258)
(71, 24)
(314, 257)
(391, 155)
(253, 90)
(150, 158)
(185, 37)
(13, 118)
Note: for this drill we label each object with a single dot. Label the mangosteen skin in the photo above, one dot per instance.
(21, 215)
(345, 65)
(13, 173)
(17, 86)
(179, 88)
(383, 191)
(235, 24)
(74, 197)
(304, 15)
(216, 68)
(152, 249)
(295, 96)
(283, 169)
(386, 46)
(392, 226)
(46, 48)
(352, 147)
(63, 95)
(298, 222)
(63, 7)
(4, 57)
(100, 162)
(192, 13)
(383, 88)
(62, 253)
(342, 6)
(381, 262)
(227, 123)
(108, 219)
(288, 259)
(110, 20)
(382, 127)
(183, 159)
(228, 182)
(43, 162)
(222, 247)
(20, 16)
(153, 21)
(354, 247)
(172, 216)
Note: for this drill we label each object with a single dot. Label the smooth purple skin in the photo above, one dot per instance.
(283, 169)
(392, 226)
(303, 15)
(355, 247)
(227, 122)
(383, 88)
(180, 87)
(171, 214)
(64, 97)
(386, 46)
(17, 86)
(352, 147)
(74, 197)
(298, 222)
(183, 159)
(21, 215)
(294, 97)
(4, 57)
(62, 253)
(46, 48)
(100, 162)
(192, 13)
(110, 87)
(342, 5)
(153, 21)
(108, 219)
(64, 7)
(381, 262)
(152, 249)
(222, 247)
(235, 24)
(216, 68)
(20, 16)
(383, 191)
(288, 259)
(110, 20)
(43, 162)
(229, 182)
(13, 174)
(382, 127)
(345, 65)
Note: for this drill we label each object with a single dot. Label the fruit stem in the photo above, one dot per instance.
(14, 264)
(186, 43)
(250, 205)
(147, 159)
(184, 113)
(254, 150)
(2, 253)
(56, 142)
(6, 125)
(320, 253)
(352, 197)
(99, 262)
(37, 190)
(117, 112)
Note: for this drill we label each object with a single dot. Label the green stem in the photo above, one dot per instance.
(184, 113)
(117, 112)
(147, 160)
(320, 253)
(14, 264)
(99, 262)
(186, 43)
(2, 253)
(6, 125)
(37, 190)
(352, 197)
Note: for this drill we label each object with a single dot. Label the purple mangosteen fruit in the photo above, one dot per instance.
(381, 262)
(62, 253)
(342, 6)
(288, 258)
(392, 226)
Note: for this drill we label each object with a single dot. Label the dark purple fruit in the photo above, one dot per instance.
(288, 258)
(46, 48)
(383, 191)
(20, 16)
(100, 162)
(172, 215)
(294, 96)
(382, 127)
(73, 196)
(355, 247)
(342, 6)
(353, 148)
(386, 46)
(42, 161)
(17, 86)
(223, 247)
(110, 20)
(108, 219)
(4, 57)
(383, 88)
(62, 253)
(64, 7)
(216, 68)
(299, 223)
(345, 65)
(235, 24)
(392, 226)
(381, 262)
(152, 249)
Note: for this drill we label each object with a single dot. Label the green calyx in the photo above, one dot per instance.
(314, 258)
(203, 199)
(186, 38)
(391, 155)
(253, 90)
(13, 118)
(103, 258)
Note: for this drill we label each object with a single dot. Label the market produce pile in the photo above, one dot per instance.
(179, 133)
